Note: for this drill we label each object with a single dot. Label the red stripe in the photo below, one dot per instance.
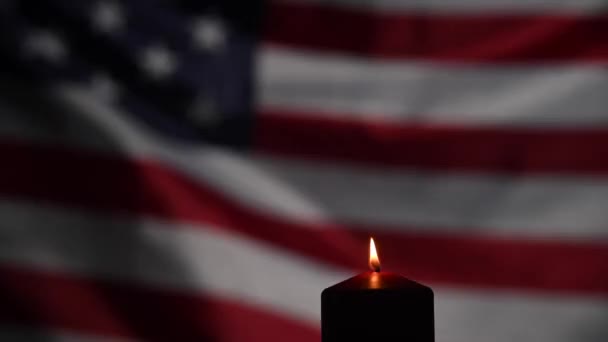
(436, 147)
(42, 300)
(106, 184)
(486, 37)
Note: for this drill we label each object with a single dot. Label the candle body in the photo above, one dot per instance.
(377, 306)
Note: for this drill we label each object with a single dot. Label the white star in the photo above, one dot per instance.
(204, 111)
(158, 61)
(209, 34)
(104, 88)
(46, 45)
(108, 17)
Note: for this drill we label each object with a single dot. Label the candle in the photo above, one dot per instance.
(377, 306)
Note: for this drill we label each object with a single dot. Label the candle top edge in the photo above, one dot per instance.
(374, 281)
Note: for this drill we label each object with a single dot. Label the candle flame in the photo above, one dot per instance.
(374, 261)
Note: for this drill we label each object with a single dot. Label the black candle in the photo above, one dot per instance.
(376, 307)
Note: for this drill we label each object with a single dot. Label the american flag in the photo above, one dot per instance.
(201, 170)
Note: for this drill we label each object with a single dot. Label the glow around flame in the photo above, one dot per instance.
(374, 261)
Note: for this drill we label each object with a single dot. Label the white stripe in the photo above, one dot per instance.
(550, 207)
(194, 258)
(467, 6)
(537, 207)
(358, 89)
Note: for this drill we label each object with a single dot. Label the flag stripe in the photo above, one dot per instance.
(134, 311)
(308, 83)
(63, 254)
(529, 207)
(444, 258)
(434, 147)
(457, 38)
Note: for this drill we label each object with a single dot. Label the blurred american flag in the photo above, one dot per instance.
(201, 170)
